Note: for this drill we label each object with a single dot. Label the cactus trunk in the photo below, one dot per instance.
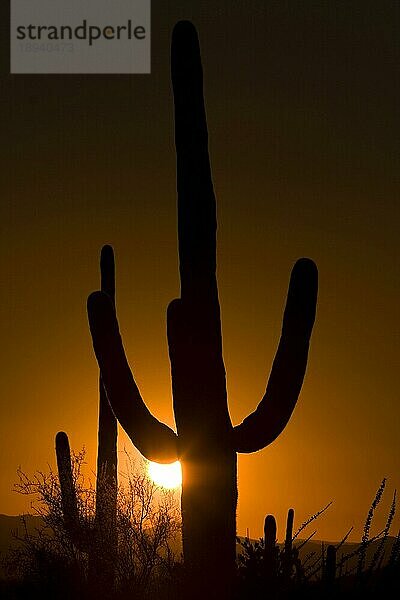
(209, 496)
(209, 491)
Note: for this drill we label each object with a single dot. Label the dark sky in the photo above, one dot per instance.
(302, 102)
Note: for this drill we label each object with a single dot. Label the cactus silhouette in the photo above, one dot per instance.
(68, 492)
(270, 550)
(206, 441)
(289, 530)
(101, 540)
(288, 550)
(330, 564)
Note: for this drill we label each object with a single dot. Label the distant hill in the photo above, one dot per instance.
(10, 528)
(12, 525)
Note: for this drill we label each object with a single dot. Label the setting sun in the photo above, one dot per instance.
(167, 476)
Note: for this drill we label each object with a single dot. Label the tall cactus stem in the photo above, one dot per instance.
(68, 493)
(288, 562)
(105, 527)
(289, 530)
(101, 540)
(270, 551)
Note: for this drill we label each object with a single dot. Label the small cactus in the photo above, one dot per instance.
(330, 565)
(289, 530)
(270, 550)
(68, 493)
(287, 566)
(100, 541)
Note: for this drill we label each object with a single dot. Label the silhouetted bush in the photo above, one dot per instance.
(51, 561)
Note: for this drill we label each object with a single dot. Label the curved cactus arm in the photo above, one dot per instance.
(155, 440)
(272, 414)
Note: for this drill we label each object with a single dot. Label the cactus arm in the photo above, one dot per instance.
(272, 414)
(155, 440)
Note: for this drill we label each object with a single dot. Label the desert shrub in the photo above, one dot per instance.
(48, 559)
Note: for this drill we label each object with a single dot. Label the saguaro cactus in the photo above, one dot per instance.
(330, 565)
(68, 491)
(270, 550)
(205, 442)
(101, 540)
(288, 552)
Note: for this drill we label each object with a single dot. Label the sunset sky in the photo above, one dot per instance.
(302, 102)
